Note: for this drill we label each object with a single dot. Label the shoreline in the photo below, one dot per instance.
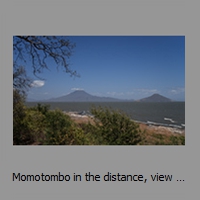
(162, 127)
(144, 126)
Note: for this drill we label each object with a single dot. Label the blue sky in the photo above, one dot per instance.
(125, 67)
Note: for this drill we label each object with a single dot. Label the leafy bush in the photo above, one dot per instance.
(60, 129)
(41, 108)
(28, 124)
(39, 125)
(177, 140)
(93, 134)
(20, 135)
(35, 122)
(116, 128)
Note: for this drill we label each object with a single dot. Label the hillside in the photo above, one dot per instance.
(155, 98)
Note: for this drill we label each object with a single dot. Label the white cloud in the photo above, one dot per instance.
(177, 90)
(37, 83)
(97, 94)
(145, 91)
(115, 93)
(75, 89)
(173, 91)
(111, 93)
(135, 93)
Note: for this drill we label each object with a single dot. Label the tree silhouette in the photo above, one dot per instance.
(33, 52)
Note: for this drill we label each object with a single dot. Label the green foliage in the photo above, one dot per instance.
(20, 135)
(28, 124)
(42, 108)
(59, 128)
(182, 140)
(93, 134)
(35, 123)
(177, 140)
(116, 128)
(40, 125)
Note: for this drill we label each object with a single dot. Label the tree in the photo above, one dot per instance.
(33, 52)
(37, 50)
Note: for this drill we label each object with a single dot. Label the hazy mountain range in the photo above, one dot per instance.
(155, 98)
(82, 96)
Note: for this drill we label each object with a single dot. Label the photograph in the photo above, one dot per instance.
(99, 90)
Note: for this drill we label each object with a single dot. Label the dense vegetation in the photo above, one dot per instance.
(41, 126)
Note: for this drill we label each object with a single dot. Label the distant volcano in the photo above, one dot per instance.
(155, 98)
(82, 96)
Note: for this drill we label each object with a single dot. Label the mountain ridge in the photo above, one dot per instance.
(155, 98)
(82, 96)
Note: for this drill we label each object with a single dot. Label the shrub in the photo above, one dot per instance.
(177, 140)
(116, 128)
(182, 140)
(61, 130)
(28, 124)
(20, 133)
(35, 123)
(93, 134)
(39, 125)
(41, 108)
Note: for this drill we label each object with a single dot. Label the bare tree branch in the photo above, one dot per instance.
(38, 49)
